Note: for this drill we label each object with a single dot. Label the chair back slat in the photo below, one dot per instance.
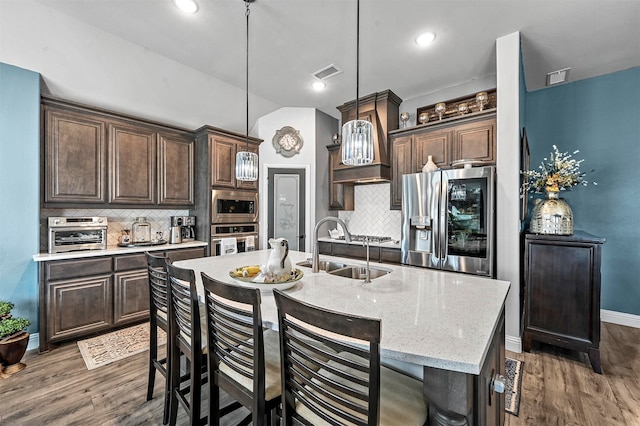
(183, 308)
(157, 284)
(346, 387)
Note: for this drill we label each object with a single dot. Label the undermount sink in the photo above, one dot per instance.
(339, 269)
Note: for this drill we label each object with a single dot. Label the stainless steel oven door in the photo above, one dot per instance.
(234, 206)
(246, 237)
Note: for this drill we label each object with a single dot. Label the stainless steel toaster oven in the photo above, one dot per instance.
(77, 233)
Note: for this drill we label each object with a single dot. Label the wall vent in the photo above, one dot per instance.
(326, 72)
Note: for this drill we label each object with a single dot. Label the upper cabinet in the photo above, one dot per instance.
(93, 156)
(472, 138)
(223, 164)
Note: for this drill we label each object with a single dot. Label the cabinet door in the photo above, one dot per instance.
(340, 195)
(132, 151)
(248, 185)
(401, 164)
(223, 173)
(75, 157)
(175, 170)
(130, 296)
(475, 141)
(436, 143)
(78, 307)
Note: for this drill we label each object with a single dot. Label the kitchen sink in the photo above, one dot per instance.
(339, 269)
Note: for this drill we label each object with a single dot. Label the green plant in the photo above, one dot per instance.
(8, 325)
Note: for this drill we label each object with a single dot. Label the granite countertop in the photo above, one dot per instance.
(115, 250)
(429, 317)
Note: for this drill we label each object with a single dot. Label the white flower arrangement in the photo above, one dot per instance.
(559, 172)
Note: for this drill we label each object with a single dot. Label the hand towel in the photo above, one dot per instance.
(228, 246)
(249, 244)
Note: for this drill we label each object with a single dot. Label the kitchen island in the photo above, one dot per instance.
(449, 325)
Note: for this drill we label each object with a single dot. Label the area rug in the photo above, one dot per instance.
(514, 371)
(111, 347)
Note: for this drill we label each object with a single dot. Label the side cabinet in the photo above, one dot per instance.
(341, 196)
(562, 292)
(80, 297)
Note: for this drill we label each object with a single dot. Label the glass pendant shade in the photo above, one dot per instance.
(247, 166)
(357, 143)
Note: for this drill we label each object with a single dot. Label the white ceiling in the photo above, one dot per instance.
(291, 39)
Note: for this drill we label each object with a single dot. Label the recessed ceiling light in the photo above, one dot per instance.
(425, 38)
(187, 6)
(318, 85)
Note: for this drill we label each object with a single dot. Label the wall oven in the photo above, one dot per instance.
(77, 233)
(246, 235)
(234, 206)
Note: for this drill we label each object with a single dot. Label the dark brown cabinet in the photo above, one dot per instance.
(562, 292)
(223, 164)
(340, 195)
(357, 251)
(472, 138)
(79, 297)
(94, 156)
(75, 152)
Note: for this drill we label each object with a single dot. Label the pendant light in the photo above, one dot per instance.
(247, 162)
(357, 135)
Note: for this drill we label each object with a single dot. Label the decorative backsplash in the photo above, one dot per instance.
(371, 215)
(118, 219)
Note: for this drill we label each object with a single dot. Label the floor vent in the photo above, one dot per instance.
(326, 72)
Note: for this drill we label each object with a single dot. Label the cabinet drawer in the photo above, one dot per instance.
(128, 262)
(78, 268)
(184, 254)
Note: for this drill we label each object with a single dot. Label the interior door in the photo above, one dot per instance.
(286, 206)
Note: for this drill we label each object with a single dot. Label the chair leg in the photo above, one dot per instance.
(174, 385)
(153, 355)
(195, 394)
(167, 387)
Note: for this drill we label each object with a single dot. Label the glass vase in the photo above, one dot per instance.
(552, 216)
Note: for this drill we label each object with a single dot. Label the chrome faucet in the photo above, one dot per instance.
(316, 251)
(367, 278)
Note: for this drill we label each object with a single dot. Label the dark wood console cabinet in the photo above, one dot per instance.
(562, 292)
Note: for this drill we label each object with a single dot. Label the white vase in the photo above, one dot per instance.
(429, 166)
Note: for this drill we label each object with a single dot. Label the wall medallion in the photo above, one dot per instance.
(287, 141)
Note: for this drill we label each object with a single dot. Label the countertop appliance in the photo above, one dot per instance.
(77, 233)
(448, 220)
(182, 229)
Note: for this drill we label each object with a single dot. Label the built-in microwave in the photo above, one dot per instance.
(234, 206)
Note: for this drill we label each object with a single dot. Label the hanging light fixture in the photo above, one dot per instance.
(357, 135)
(247, 162)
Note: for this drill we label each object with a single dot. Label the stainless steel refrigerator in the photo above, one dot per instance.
(448, 220)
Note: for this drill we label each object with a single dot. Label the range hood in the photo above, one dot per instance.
(381, 109)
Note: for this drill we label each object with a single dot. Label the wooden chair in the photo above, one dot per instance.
(351, 388)
(158, 317)
(188, 338)
(244, 360)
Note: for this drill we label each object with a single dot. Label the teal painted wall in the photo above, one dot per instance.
(601, 118)
(19, 189)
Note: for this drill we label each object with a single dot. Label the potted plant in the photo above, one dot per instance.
(13, 340)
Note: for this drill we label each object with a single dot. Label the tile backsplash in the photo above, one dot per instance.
(371, 214)
(118, 219)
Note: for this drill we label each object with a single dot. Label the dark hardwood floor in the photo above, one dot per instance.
(559, 388)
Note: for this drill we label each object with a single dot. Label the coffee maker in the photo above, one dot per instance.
(183, 228)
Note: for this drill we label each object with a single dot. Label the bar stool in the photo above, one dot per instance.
(188, 337)
(352, 387)
(158, 317)
(244, 360)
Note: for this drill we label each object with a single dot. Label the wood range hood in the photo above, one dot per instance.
(381, 109)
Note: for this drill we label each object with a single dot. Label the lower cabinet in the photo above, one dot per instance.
(356, 251)
(80, 297)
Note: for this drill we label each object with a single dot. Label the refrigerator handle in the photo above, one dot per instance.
(435, 224)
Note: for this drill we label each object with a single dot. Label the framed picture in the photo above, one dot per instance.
(525, 159)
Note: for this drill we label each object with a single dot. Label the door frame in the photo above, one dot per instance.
(264, 202)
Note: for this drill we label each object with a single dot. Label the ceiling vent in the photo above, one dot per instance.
(327, 72)
(557, 77)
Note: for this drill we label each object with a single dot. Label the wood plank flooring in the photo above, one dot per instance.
(559, 388)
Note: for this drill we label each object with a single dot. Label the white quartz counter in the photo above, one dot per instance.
(110, 251)
(429, 318)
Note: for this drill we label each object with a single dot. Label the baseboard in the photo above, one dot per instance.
(620, 318)
(513, 343)
(34, 341)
